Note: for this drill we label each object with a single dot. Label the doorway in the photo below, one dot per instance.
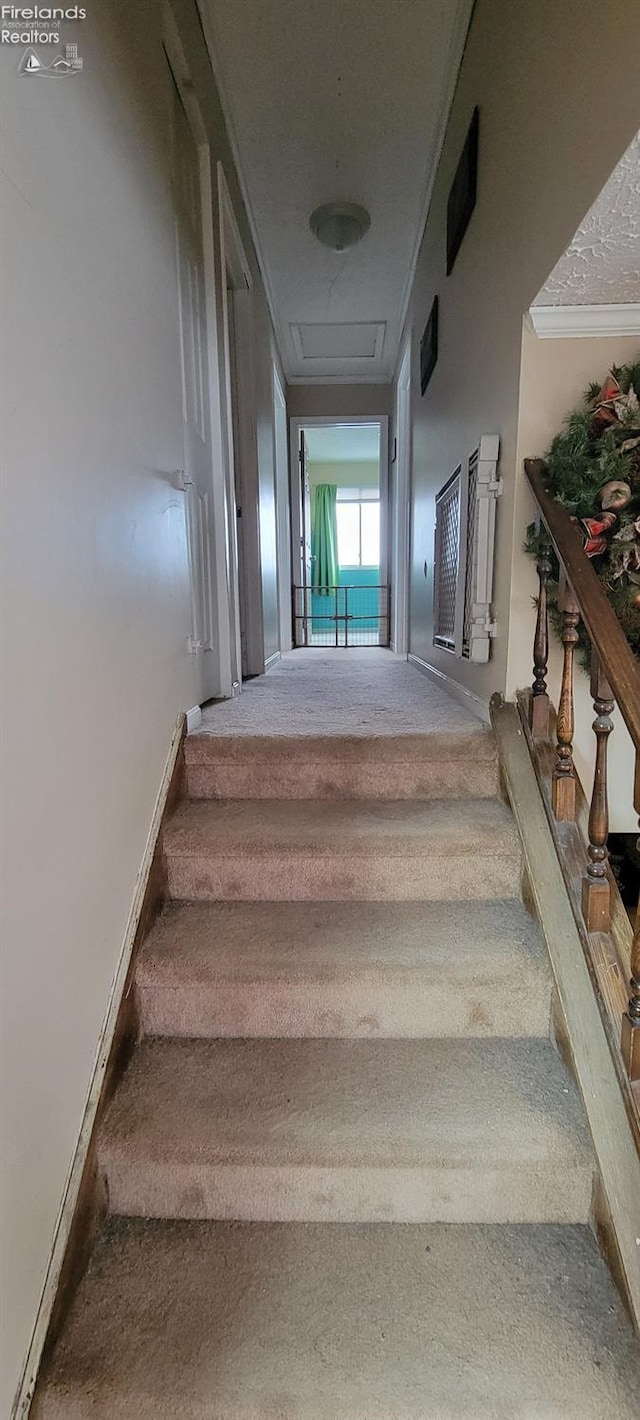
(400, 502)
(283, 517)
(189, 168)
(240, 449)
(340, 534)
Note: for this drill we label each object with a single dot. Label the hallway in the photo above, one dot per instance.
(359, 691)
(346, 1171)
(287, 1133)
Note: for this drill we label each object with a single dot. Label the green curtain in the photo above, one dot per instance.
(324, 538)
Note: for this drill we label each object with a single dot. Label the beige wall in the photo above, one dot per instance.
(557, 92)
(94, 593)
(554, 376)
(364, 473)
(338, 401)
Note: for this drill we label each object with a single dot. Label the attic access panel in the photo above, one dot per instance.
(462, 197)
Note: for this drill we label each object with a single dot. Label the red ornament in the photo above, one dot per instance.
(595, 529)
(604, 411)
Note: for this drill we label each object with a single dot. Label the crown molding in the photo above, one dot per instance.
(575, 322)
(214, 50)
(451, 70)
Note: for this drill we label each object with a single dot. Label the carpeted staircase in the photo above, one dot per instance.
(348, 1176)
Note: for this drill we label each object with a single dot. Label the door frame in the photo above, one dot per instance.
(401, 510)
(321, 421)
(283, 510)
(241, 462)
(183, 81)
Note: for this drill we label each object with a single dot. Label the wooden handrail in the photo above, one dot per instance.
(615, 677)
(605, 632)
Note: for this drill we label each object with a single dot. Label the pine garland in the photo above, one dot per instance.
(593, 470)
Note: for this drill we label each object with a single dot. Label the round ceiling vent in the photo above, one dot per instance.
(339, 224)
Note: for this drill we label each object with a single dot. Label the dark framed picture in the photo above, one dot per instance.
(429, 347)
(462, 197)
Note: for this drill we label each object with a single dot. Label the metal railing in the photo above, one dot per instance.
(342, 616)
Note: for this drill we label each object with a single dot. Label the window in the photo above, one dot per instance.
(358, 532)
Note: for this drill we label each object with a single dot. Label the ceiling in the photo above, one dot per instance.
(600, 266)
(336, 100)
(343, 443)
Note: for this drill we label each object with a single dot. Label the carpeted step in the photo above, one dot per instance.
(368, 851)
(348, 1131)
(312, 1322)
(462, 764)
(344, 969)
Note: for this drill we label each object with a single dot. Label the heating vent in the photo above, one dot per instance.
(344, 340)
(464, 552)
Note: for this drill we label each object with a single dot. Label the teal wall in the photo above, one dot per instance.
(363, 605)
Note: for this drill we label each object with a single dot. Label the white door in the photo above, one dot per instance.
(196, 415)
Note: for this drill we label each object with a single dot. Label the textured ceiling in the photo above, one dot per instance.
(336, 100)
(602, 264)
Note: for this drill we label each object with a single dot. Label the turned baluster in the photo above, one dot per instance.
(563, 788)
(595, 885)
(631, 1018)
(539, 708)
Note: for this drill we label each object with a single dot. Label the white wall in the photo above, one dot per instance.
(558, 106)
(554, 377)
(94, 593)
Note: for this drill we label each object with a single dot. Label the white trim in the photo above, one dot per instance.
(283, 505)
(450, 71)
(335, 421)
(219, 680)
(193, 719)
(577, 322)
(337, 360)
(373, 379)
(69, 1201)
(272, 660)
(241, 463)
(401, 511)
(459, 692)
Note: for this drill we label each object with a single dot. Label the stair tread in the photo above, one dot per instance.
(332, 828)
(312, 1321)
(205, 746)
(195, 943)
(346, 1103)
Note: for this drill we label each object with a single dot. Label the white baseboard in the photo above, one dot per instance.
(459, 692)
(194, 719)
(272, 660)
(68, 1205)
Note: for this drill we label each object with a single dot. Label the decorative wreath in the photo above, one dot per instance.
(593, 470)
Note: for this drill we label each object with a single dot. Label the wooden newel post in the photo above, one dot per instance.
(563, 788)
(631, 1018)
(595, 886)
(539, 706)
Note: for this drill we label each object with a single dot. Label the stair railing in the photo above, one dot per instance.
(615, 681)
